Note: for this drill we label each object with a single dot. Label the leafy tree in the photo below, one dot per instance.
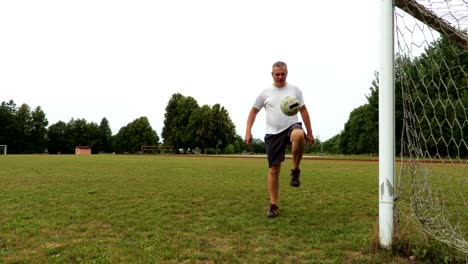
(239, 144)
(359, 136)
(257, 146)
(361, 131)
(104, 143)
(176, 119)
(229, 149)
(332, 145)
(200, 125)
(57, 138)
(39, 130)
(9, 128)
(223, 127)
(24, 122)
(132, 136)
(188, 126)
(211, 127)
(22, 130)
(436, 84)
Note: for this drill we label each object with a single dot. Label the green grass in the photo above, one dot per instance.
(164, 209)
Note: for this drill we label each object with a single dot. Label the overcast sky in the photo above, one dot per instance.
(124, 59)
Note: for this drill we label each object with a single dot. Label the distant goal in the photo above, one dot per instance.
(159, 149)
(3, 149)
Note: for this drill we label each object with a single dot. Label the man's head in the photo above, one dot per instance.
(279, 73)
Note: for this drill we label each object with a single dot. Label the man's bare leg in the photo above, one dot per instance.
(273, 183)
(273, 186)
(297, 151)
(297, 146)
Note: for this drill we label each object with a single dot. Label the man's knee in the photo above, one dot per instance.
(275, 169)
(297, 135)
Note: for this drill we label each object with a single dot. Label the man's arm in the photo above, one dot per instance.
(250, 121)
(306, 118)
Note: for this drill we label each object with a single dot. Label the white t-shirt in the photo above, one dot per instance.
(270, 98)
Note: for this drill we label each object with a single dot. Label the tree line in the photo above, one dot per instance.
(187, 126)
(26, 131)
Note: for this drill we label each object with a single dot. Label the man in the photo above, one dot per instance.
(281, 130)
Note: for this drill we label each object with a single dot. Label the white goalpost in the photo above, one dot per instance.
(386, 125)
(3, 149)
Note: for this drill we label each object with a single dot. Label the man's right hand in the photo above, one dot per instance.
(310, 139)
(248, 138)
(250, 120)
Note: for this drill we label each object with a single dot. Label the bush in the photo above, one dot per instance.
(229, 149)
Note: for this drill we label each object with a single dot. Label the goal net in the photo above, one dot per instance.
(3, 149)
(431, 71)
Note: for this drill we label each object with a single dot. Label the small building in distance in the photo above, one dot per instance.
(82, 150)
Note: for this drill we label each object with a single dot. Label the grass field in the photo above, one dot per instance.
(165, 209)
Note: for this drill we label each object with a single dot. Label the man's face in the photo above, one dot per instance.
(279, 76)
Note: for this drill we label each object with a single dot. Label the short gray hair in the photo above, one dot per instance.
(280, 64)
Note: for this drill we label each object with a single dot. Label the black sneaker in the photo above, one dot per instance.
(295, 177)
(273, 211)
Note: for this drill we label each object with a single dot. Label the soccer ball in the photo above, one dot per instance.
(290, 105)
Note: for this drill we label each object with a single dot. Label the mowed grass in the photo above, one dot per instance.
(166, 209)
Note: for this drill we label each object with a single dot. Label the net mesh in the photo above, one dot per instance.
(431, 70)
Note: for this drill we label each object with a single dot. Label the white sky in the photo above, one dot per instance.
(124, 59)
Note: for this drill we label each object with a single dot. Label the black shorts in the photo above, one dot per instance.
(276, 144)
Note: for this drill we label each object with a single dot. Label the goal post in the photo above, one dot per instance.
(3, 149)
(158, 148)
(386, 124)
